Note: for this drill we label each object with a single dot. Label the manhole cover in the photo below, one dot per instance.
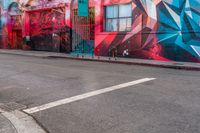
(12, 106)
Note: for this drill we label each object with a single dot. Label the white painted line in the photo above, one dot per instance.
(85, 95)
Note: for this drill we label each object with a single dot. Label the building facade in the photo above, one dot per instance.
(166, 30)
(152, 29)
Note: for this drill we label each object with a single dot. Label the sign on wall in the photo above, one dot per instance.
(83, 8)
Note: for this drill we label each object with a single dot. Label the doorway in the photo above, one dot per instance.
(17, 39)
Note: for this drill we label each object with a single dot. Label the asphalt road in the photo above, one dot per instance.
(168, 104)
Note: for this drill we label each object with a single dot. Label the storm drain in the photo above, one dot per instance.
(11, 106)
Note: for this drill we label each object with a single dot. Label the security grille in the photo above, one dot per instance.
(83, 32)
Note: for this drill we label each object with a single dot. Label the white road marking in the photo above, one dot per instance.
(85, 95)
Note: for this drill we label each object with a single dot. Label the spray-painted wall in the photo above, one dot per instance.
(161, 30)
(11, 19)
(44, 25)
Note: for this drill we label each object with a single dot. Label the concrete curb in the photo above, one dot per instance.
(141, 62)
(133, 63)
(6, 125)
(22, 122)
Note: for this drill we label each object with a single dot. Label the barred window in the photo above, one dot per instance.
(118, 18)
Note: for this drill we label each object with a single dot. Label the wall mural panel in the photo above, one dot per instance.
(161, 30)
(44, 25)
(51, 32)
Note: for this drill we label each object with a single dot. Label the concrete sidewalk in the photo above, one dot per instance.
(154, 63)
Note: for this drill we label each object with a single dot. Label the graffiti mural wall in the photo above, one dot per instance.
(161, 30)
(50, 33)
(167, 30)
(48, 29)
(44, 25)
(11, 24)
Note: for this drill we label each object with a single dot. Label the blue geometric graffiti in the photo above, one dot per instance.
(179, 25)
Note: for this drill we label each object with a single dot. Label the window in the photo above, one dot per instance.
(118, 18)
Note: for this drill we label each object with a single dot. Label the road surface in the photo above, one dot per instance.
(68, 96)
